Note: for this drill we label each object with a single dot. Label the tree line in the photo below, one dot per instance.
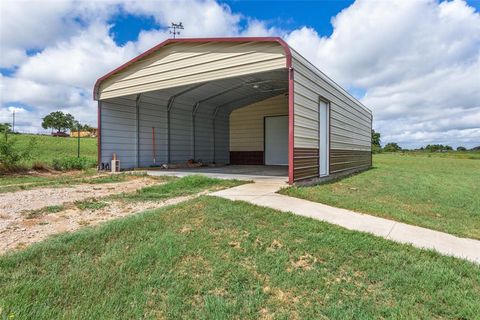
(394, 147)
(62, 122)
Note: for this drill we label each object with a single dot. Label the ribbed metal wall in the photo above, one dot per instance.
(350, 121)
(247, 123)
(119, 131)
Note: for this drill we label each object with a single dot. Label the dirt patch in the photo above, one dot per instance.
(13, 203)
(305, 262)
(18, 229)
(73, 174)
(275, 245)
(23, 231)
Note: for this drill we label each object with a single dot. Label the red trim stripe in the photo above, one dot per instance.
(99, 141)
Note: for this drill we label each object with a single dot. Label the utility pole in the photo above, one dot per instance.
(13, 123)
(173, 28)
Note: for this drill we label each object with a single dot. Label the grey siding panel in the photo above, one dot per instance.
(204, 134)
(222, 137)
(118, 129)
(181, 133)
(152, 114)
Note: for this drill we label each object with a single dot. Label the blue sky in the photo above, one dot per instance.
(416, 64)
(288, 15)
(293, 14)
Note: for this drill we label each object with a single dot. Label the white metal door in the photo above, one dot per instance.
(323, 132)
(276, 140)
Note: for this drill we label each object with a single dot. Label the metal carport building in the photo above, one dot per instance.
(231, 101)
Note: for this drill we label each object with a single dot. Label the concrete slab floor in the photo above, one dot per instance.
(277, 174)
(264, 194)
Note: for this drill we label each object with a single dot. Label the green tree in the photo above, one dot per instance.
(59, 121)
(86, 127)
(438, 147)
(392, 147)
(460, 148)
(376, 138)
(376, 147)
(5, 128)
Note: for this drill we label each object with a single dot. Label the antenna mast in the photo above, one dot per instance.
(174, 27)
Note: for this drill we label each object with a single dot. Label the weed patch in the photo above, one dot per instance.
(46, 210)
(91, 204)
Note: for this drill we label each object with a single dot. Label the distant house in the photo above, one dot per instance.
(238, 101)
(90, 133)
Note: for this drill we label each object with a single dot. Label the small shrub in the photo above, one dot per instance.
(73, 163)
(392, 147)
(11, 156)
(376, 149)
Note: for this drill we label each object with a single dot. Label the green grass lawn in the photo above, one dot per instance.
(185, 186)
(211, 258)
(48, 148)
(448, 154)
(439, 191)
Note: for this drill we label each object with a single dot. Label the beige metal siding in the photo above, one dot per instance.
(350, 122)
(246, 124)
(180, 64)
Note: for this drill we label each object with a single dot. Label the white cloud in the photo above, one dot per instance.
(414, 59)
(417, 61)
(76, 48)
(75, 62)
(201, 18)
(36, 24)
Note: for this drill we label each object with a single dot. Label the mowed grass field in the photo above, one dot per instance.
(440, 191)
(211, 258)
(48, 148)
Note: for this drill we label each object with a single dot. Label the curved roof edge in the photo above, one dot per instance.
(280, 41)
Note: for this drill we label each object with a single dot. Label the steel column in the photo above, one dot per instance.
(137, 106)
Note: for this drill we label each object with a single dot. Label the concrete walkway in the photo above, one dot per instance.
(263, 193)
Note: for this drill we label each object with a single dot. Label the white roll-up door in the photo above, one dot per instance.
(276, 140)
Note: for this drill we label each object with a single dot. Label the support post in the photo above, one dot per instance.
(169, 107)
(214, 140)
(137, 117)
(194, 112)
(153, 146)
(99, 134)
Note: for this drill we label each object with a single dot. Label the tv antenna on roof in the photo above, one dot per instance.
(174, 27)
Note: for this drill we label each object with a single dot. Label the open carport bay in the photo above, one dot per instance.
(196, 122)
